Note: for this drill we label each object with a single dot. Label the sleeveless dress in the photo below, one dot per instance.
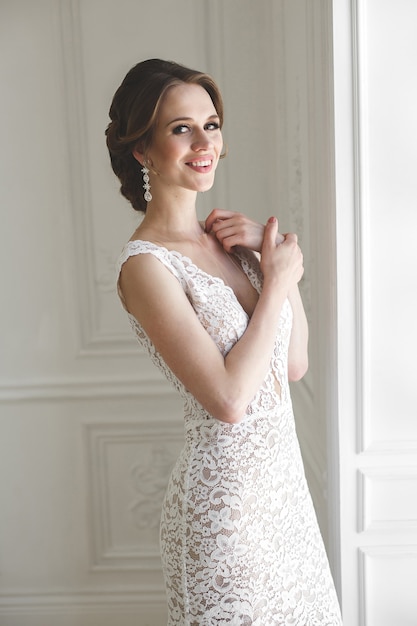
(239, 537)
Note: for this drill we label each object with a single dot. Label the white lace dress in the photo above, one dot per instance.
(239, 537)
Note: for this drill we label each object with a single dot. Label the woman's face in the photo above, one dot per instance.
(187, 141)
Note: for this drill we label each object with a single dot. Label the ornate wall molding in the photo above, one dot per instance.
(65, 389)
(102, 325)
(81, 200)
(129, 465)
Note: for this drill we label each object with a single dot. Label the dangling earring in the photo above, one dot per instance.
(147, 195)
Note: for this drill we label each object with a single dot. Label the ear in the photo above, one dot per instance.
(138, 155)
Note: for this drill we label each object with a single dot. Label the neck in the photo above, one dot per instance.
(173, 218)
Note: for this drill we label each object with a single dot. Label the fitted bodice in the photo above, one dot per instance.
(223, 317)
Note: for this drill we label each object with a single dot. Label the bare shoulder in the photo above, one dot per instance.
(144, 279)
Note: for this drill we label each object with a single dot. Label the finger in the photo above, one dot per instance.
(230, 242)
(229, 234)
(271, 230)
(216, 214)
(223, 233)
(223, 224)
(291, 237)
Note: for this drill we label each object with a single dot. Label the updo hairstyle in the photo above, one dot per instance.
(134, 114)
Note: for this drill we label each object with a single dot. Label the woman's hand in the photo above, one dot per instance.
(281, 263)
(236, 229)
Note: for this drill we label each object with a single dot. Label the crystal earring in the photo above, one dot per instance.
(147, 195)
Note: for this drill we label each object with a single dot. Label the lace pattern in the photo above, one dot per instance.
(239, 537)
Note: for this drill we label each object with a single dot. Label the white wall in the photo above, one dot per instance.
(89, 429)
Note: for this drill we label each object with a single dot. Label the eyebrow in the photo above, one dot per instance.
(190, 119)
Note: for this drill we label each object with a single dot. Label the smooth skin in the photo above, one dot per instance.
(182, 160)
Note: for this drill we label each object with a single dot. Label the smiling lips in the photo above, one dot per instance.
(203, 165)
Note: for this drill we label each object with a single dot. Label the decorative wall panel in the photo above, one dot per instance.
(386, 499)
(385, 600)
(103, 220)
(129, 469)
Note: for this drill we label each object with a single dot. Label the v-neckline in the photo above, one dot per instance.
(191, 263)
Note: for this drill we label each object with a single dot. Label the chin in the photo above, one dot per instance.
(206, 186)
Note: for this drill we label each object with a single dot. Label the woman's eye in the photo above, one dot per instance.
(184, 128)
(179, 130)
(212, 126)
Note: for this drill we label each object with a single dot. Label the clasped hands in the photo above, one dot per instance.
(236, 229)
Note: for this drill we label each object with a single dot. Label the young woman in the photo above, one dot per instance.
(239, 537)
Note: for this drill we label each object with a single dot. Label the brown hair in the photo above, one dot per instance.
(134, 113)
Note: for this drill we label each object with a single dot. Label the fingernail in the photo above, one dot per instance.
(272, 220)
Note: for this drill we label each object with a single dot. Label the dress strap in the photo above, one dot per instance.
(139, 246)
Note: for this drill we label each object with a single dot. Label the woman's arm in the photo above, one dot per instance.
(298, 348)
(231, 229)
(224, 386)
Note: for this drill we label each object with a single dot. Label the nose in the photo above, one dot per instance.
(201, 140)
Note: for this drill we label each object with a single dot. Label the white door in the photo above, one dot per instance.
(375, 51)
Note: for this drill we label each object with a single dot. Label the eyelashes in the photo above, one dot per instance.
(182, 129)
(212, 126)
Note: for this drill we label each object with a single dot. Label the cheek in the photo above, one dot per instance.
(220, 143)
(159, 159)
(220, 150)
(169, 151)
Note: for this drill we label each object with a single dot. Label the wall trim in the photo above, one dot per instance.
(361, 200)
(76, 602)
(382, 552)
(84, 388)
(368, 477)
(401, 446)
(88, 285)
(80, 192)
